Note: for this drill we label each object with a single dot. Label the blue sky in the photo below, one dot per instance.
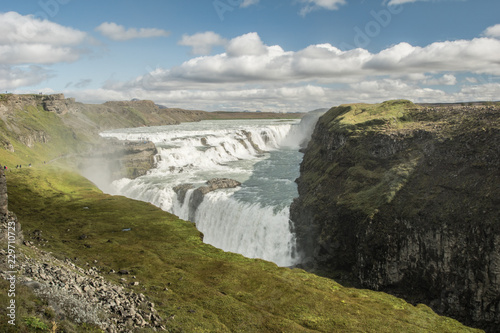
(271, 55)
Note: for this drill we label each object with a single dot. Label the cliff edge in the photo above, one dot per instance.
(404, 198)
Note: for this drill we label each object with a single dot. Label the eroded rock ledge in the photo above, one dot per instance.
(199, 193)
(120, 159)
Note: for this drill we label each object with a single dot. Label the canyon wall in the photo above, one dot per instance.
(405, 199)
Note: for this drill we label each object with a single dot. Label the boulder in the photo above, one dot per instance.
(199, 193)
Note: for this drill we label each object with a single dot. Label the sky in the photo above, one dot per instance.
(267, 55)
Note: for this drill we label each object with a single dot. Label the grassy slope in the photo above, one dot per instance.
(35, 122)
(368, 185)
(208, 290)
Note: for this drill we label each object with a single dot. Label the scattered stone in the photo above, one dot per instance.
(85, 296)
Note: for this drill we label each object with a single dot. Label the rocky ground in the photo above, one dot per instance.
(83, 295)
(80, 295)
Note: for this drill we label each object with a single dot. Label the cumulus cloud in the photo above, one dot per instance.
(253, 75)
(203, 42)
(247, 3)
(445, 80)
(248, 59)
(476, 55)
(117, 32)
(28, 40)
(16, 28)
(479, 92)
(27, 44)
(402, 2)
(493, 31)
(249, 44)
(311, 5)
(22, 76)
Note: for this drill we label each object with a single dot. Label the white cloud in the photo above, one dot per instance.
(279, 98)
(203, 42)
(493, 31)
(479, 92)
(248, 59)
(476, 55)
(445, 80)
(27, 43)
(246, 45)
(117, 32)
(247, 3)
(401, 2)
(16, 28)
(311, 5)
(253, 75)
(385, 89)
(22, 76)
(28, 40)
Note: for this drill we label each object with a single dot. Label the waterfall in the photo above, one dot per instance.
(252, 219)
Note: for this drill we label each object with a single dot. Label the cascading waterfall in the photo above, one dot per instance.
(252, 219)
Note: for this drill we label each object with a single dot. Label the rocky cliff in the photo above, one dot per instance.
(39, 128)
(10, 228)
(405, 199)
(3, 194)
(114, 159)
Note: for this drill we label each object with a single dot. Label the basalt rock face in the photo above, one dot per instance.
(406, 199)
(4, 209)
(10, 228)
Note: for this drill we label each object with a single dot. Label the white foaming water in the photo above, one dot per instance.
(261, 154)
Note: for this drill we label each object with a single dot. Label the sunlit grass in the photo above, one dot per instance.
(206, 289)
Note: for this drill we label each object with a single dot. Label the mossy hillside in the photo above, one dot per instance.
(366, 134)
(206, 289)
(36, 136)
(365, 117)
(364, 186)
